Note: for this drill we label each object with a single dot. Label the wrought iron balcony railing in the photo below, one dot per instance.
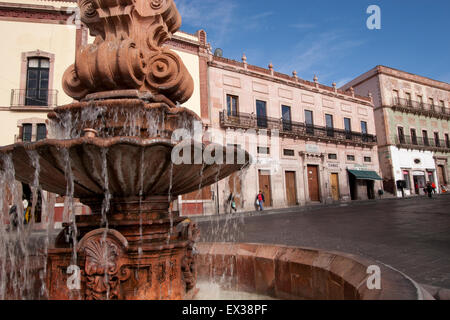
(294, 129)
(34, 98)
(420, 107)
(416, 142)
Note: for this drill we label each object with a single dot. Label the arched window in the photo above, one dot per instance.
(37, 81)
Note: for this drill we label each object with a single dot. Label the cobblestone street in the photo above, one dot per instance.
(411, 235)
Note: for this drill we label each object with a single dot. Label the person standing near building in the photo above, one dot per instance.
(433, 185)
(429, 190)
(260, 198)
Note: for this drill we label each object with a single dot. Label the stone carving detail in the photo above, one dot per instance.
(188, 263)
(103, 268)
(127, 52)
(162, 272)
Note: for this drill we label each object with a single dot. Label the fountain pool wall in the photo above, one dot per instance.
(284, 272)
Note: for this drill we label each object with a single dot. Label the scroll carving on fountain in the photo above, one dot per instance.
(114, 154)
(127, 52)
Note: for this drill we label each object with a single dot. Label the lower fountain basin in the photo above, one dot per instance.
(283, 272)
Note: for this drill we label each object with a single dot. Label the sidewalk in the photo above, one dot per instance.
(305, 208)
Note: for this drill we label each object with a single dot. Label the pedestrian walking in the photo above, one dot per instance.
(232, 203)
(429, 189)
(433, 185)
(260, 200)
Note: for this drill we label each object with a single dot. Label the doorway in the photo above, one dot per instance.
(265, 187)
(441, 176)
(313, 183)
(335, 186)
(419, 183)
(291, 188)
(370, 189)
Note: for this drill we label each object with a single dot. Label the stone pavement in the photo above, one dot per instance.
(411, 235)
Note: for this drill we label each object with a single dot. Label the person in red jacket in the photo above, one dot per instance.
(261, 200)
(433, 185)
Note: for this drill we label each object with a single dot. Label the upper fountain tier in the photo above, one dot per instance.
(127, 53)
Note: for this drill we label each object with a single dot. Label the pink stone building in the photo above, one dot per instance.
(311, 143)
(412, 119)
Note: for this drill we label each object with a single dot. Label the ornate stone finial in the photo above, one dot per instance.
(127, 52)
(334, 86)
(370, 96)
(244, 60)
(271, 68)
(315, 79)
(352, 91)
(294, 74)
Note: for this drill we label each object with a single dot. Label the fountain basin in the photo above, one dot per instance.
(125, 167)
(285, 272)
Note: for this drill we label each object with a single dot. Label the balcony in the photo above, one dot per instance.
(297, 130)
(420, 143)
(421, 108)
(33, 98)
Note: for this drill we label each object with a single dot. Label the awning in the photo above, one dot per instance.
(365, 175)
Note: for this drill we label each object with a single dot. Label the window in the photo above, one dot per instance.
(261, 113)
(41, 132)
(426, 142)
(38, 70)
(364, 131)
(332, 156)
(263, 150)
(363, 127)
(350, 157)
(27, 129)
(309, 121)
(288, 152)
(442, 102)
(286, 116)
(348, 128)
(431, 102)
(395, 96)
(413, 137)
(367, 159)
(447, 141)
(401, 135)
(437, 141)
(408, 98)
(420, 99)
(232, 105)
(329, 125)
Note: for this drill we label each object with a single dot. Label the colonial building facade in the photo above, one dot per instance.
(412, 118)
(311, 143)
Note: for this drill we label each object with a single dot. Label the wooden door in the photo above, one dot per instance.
(335, 186)
(235, 186)
(440, 175)
(313, 183)
(264, 186)
(291, 188)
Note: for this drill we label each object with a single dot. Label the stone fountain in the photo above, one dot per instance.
(115, 156)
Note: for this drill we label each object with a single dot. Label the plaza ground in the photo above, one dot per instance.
(411, 235)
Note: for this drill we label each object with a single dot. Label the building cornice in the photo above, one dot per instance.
(265, 74)
(35, 13)
(399, 74)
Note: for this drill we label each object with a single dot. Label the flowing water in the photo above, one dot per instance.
(24, 244)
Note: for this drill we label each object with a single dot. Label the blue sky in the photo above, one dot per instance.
(325, 37)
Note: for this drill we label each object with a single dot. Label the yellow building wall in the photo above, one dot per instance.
(21, 37)
(8, 124)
